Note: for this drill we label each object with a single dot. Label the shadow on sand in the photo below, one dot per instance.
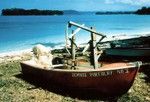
(146, 71)
(73, 93)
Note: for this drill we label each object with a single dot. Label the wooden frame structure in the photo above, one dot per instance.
(93, 44)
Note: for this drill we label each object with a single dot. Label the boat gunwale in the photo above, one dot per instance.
(91, 70)
(130, 48)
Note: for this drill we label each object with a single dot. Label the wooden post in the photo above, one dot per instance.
(73, 50)
(66, 39)
(93, 49)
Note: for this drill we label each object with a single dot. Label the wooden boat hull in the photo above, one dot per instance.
(131, 47)
(129, 52)
(104, 82)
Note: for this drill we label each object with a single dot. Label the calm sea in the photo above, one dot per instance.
(23, 32)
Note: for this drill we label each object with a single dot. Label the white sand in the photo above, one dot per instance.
(14, 55)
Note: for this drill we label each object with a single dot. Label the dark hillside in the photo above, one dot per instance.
(18, 11)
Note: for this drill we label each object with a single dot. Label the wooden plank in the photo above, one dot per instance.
(76, 31)
(85, 48)
(85, 28)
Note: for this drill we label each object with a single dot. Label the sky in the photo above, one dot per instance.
(80, 5)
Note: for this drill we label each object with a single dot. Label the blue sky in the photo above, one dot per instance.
(80, 5)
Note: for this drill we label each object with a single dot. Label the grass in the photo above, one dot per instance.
(14, 89)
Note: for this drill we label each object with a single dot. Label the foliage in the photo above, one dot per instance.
(117, 12)
(143, 11)
(18, 11)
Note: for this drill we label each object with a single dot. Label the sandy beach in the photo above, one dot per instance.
(15, 55)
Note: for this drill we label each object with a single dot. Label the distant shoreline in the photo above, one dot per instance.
(116, 13)
(37, 12)
(142, 11)
(20, 12)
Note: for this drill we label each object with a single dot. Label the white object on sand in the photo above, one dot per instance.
(42, 56)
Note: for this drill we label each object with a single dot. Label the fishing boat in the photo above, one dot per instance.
(138, 46)
(86, 72)
(129, 52)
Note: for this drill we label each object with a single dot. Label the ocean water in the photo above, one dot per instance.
(23, 32)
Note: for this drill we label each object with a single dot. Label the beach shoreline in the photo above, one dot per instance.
(15, 55)
(18, 54)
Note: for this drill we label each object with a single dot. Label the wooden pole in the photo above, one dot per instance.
(93, 48)
(66, 39)
(75, 31)
(73, 50)
(84, 28)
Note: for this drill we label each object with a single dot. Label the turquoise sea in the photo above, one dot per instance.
(23, 32)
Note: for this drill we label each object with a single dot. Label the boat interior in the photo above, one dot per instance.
(83, 58)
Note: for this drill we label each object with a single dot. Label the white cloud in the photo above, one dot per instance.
(131, 2)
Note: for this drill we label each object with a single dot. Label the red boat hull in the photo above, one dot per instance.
(113, 82)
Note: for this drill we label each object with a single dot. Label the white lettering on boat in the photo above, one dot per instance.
(98, 74)
(120, 71)
(79, 75)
